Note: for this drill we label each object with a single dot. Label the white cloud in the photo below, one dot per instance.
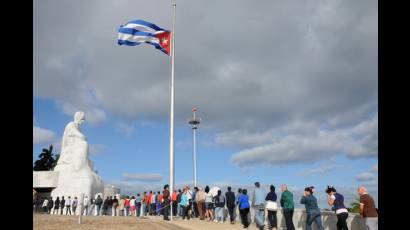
(42, 136)
(153, 177)
(97, 148)
(301, 146)
(321, 170)
(365, 177)
(124, 128)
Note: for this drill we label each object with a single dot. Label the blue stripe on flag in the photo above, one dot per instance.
(134, 32)
(128, 43)
(145, 23)
(157, 46)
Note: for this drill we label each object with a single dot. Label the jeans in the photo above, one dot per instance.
(142, 212)
(231, 211)
(166, 211)
(98, 209)
(91, 209)
(179, 210)
(317, 219)
(74, 208)
(174, 208)
(288, 213)
(272, 219)
(219, 213)
(184, 212)
(259, 217)
(137, 209)
(371, 223)
(244, 216)
(67, 209)
(85, 210)
(341, 221)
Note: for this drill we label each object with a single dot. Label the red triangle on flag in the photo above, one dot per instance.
(165, 41)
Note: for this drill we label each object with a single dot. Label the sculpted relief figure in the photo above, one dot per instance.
(76, 174)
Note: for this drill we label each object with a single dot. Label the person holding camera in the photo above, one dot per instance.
(336, 200)
(312, 209)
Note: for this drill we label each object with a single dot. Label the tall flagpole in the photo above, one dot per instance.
(171, 136)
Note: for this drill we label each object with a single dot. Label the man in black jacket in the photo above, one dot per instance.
(230, 204)
(62, 205)
(50, 205)
(105, 206)
(56, 205)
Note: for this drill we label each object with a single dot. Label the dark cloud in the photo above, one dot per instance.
(250, 68)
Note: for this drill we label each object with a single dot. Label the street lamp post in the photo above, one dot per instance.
(194, 122)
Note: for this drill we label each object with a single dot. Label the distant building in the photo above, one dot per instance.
(111, 190)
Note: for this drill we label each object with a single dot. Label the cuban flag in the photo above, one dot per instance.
(139, 31)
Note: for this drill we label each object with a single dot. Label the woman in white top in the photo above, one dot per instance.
(337, 201)
(132, 206)
(208, 204)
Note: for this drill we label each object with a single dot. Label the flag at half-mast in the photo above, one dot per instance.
(136, 32)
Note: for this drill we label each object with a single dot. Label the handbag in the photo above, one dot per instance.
(271, 205)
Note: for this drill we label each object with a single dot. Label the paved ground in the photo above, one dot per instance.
(196, 224)
(47, 222)
(56, 222)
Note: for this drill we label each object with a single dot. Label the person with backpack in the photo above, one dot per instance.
(98, 203)
(230, 204)
(219, 207)
(312, 209)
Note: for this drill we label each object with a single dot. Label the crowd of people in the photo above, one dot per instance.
(205, 205)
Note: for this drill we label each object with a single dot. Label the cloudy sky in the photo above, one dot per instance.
(287, 91)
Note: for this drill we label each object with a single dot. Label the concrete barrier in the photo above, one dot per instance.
(329, 220)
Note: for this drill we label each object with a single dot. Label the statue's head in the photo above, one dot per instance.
(79, 117)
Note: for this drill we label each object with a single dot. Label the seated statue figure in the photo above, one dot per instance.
(76, 174)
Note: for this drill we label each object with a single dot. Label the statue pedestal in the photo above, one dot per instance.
(72, 183)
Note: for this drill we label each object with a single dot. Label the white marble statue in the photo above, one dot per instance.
(76, 173)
